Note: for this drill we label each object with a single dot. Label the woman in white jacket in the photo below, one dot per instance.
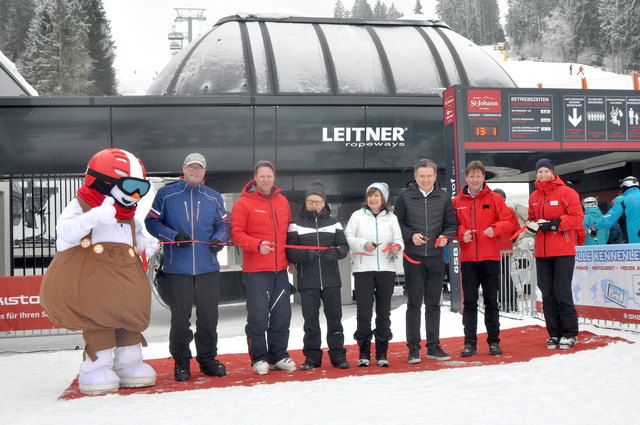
(370, 230)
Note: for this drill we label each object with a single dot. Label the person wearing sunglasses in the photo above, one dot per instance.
(191, 218)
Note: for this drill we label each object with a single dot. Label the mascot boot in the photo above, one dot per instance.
(98, 377)
(133, 372)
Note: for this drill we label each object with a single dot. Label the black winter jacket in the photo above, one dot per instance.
(432, 216)
(312, 229)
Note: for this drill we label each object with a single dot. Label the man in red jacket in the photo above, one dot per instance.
(482, 217)
(259, 222)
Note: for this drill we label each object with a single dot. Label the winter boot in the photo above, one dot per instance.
(133, 372)
(98, 377)
(365, 353)
(381, 353)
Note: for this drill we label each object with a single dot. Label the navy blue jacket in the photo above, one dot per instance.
(196, 210)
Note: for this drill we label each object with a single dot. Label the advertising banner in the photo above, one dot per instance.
(606, 282)
(20, 307)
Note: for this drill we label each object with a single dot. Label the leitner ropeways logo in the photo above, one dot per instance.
(360, 137)
(484, 101)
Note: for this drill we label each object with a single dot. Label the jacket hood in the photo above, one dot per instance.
(485, 189)
(311, 215)
(249, 189)
(551, 184)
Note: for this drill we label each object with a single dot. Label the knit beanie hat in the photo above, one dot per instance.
(382, 187)
(544, 162)
(316, 187)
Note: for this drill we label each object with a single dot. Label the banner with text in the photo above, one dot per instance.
(606, 282)
(20, 307)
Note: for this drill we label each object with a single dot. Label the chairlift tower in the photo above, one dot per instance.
(176, 39)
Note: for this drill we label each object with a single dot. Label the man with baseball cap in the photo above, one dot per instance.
(187, 215)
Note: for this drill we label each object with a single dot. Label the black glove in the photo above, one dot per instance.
(546, 226)
(215, 248)
(330, 254)
(183, 237)
(593, 232)
(312, 254)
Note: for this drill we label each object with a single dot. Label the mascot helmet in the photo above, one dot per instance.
(629, 182)
(117, 167)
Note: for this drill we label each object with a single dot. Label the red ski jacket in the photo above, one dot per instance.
(552, 200)
(256, 218)
(486, 209)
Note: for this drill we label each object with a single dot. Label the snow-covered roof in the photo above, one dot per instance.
(11, 82)
(281, 54)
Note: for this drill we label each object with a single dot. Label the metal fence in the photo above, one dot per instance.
(517, 291)
(35, 205)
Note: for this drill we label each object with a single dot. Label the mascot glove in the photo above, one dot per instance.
(151, 248)
(105, 213)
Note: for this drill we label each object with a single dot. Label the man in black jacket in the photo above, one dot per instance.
(427, 218)
(319, 276)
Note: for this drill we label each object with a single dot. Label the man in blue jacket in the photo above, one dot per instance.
(191, 218)
(628, 204)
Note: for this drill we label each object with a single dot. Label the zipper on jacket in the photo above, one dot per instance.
(474, 220)
(319, 258)
(193, 236)
(275, 232)
(375, 218)
(426, 226)
(198, 212)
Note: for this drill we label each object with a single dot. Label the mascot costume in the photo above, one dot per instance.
(96, 282)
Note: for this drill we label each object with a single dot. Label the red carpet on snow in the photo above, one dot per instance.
(519, 345)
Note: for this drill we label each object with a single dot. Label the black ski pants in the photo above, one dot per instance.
(554, 280)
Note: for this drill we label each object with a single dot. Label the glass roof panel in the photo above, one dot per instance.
(356, 59)
(413, 67)
(217, 65)
(481, 68)
(299, 61)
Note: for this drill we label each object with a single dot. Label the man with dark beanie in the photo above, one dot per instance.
(555, 214)
(319, 276)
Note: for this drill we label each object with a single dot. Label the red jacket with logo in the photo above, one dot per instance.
(486, 209)
(256, 218)
(553, 199)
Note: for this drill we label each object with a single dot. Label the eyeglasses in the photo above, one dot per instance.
(312, 202)
(193, 167)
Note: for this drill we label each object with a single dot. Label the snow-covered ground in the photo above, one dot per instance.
(556, 74)
(590, 387)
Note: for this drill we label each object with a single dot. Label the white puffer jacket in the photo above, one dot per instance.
(365, 227)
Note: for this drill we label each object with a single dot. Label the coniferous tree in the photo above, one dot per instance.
(361, 9)
(478, 20)
(380, 10)
(56, 59)
(15, 16)
(620, 23)
(393, 13)
(339, 11)
(417, 9)
(101, 50)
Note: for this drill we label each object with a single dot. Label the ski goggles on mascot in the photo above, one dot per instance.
(130, 186)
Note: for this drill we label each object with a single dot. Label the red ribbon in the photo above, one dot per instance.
(518, 233)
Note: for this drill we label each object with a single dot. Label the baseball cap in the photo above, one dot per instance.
(195, 158)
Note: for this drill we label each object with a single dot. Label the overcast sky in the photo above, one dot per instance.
(140, 28)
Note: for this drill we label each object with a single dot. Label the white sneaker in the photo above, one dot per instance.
(363, 362)
(566, 342)
(285, 364)
(261, 367)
